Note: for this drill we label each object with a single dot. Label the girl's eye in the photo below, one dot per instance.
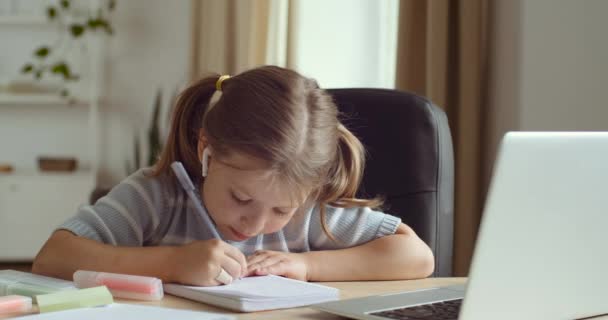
(239, 201)
(280, 213)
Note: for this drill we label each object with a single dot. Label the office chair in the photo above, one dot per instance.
(409, 161)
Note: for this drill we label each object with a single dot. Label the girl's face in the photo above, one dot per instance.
(244, 199)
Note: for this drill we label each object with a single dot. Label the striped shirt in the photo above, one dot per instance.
(144, 210)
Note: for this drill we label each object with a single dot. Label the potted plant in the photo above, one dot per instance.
(155, 134)
(73, 23)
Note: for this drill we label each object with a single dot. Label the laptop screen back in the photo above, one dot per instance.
(542, 249)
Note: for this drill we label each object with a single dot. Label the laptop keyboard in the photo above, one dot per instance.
(443, 310)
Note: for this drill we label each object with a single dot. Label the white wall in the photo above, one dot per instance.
(151, 49)
(347, 43)
(564, 65)
(548, 62)
(504, 78)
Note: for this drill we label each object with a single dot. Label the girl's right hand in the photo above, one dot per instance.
(200, 262)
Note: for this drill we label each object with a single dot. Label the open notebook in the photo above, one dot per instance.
(258, 293)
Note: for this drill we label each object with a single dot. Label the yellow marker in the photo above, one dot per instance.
(71, 299)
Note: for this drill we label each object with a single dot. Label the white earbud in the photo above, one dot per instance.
(205, 161)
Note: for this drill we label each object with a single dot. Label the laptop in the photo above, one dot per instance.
(542, 248)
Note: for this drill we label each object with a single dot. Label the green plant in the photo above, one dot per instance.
(154, 134)
(154, 142)
(51, 59)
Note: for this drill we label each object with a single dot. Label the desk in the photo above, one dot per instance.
(347, 290)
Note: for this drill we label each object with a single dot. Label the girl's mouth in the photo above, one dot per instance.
(239, 236)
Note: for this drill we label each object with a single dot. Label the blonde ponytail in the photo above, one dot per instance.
(344, 177)
(186, 122)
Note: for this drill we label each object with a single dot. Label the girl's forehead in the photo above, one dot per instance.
(245, 166)
(254, 176)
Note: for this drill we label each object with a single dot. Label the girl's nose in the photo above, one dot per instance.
(253, 223)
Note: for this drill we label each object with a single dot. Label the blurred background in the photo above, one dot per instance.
(86, 86)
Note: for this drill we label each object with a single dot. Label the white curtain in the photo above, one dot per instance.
(340, 43)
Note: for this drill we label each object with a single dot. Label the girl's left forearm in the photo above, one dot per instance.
(396, 257)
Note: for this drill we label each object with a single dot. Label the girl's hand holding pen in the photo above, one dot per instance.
(200, 263)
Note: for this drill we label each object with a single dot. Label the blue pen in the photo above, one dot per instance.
(184, 180)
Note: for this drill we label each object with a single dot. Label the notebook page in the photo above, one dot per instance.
(267, 287)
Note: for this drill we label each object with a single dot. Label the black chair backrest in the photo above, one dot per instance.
(410, 161)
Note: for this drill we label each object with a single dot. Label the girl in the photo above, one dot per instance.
(277, 174)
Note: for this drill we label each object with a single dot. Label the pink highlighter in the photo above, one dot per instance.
(121, 285)
(15, 304)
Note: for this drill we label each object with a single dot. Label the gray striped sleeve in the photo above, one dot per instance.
(350, 227)
(127, 216)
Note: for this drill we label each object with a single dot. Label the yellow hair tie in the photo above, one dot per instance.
(218, 84)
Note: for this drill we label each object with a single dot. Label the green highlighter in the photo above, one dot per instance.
(72, 299)
(23, 289)
(30, 285)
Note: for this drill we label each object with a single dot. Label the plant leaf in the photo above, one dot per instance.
(42, 52)
(156, 110)
(169, 114)
(38, 74)
(154, 141)
(137, 154)
(51, 12)
(65, 4)
(105, 25)
(61, 68)
(27, 68)
(111, 5)
(128, 167)
(94, 23)
(76, 30)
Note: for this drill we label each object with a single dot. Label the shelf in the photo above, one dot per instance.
(36, 99)
(28, 175)
(24, 20)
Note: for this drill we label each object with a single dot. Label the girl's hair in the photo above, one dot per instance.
(276, 115)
